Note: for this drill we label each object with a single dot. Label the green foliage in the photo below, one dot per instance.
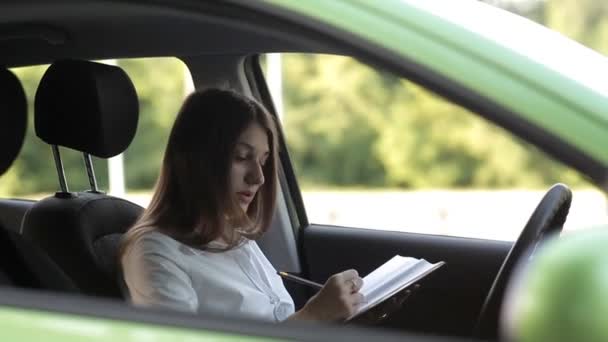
(161, 89)
(585, 21)
(327, 126)
(348, 124)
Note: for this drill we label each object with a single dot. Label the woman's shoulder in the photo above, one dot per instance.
(155, 242)
(152, 257)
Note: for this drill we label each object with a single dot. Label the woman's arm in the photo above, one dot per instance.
(154, 277)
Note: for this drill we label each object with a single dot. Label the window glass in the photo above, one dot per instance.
(372, 150)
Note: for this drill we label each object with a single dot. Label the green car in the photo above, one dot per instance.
(546, 93)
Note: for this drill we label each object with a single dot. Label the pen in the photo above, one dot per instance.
(296, 279)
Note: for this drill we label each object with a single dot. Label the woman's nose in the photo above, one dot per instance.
(255, 176)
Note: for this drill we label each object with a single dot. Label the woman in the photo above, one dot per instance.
(194, 248)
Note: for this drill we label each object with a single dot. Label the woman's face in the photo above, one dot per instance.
(249, 157)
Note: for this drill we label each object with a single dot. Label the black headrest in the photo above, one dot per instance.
(86, 106)
(13, 106)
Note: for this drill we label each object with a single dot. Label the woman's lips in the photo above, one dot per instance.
(246, 196)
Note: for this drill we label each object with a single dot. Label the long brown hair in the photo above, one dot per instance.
(191, 201)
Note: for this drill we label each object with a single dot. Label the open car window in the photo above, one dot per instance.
(372, 150)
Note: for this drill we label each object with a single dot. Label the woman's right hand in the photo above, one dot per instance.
(337, 300)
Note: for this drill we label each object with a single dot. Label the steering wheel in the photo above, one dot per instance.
(547, 219)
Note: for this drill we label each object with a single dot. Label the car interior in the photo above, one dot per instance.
(67, 241)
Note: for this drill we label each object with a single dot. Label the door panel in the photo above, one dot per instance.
(447, 302)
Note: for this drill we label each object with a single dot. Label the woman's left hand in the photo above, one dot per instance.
(386, 308)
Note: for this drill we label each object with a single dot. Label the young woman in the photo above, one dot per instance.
(194, 248)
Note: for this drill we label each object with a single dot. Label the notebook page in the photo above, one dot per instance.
(397, 282)
(385, 273)
(388, 288)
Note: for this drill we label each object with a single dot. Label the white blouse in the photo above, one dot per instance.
(160, 271)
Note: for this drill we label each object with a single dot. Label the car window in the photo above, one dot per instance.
(161, 84)
(371, 150)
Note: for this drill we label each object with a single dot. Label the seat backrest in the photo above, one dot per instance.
(12, 211)
(22, 263)
(92, 108)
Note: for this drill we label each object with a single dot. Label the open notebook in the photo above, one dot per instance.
(393, 276)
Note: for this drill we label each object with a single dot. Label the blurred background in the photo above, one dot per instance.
(370, 150)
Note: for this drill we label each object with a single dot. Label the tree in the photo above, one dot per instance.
(350, 125)
(585, 21)
(160, 88)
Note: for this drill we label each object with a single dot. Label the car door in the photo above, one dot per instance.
(448, 301)
(472, 233)
(494, 81)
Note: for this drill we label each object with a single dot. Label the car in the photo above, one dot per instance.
(546, 94)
